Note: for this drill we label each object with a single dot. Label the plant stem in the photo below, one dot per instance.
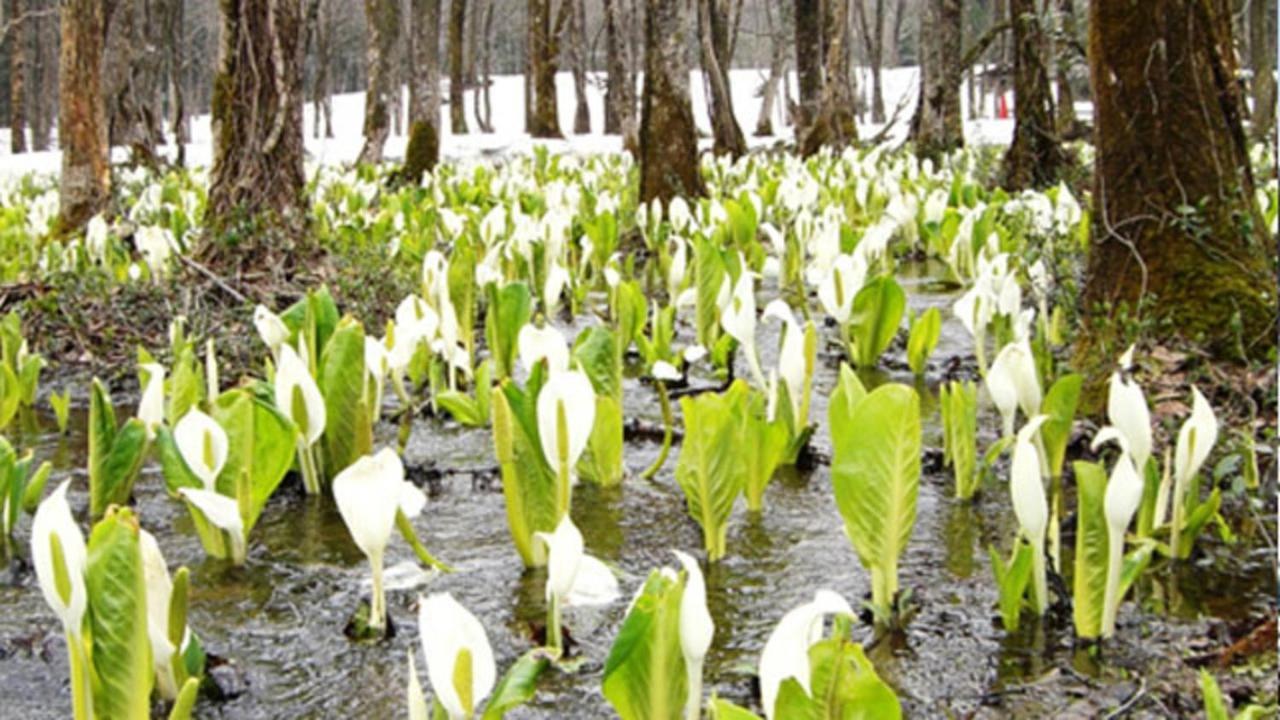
(306, 464)
(424, 555)
(555, 640)
(1040, 587)
(378, 604)
(693, 703)
(1111, 598)
(667, 423)
(1179, 519)
(81, 695)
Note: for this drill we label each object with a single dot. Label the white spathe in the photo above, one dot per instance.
(538, 343)
(223, 512)
(1025, 484)
(568, 397)
(696, 626)
(786, 652)
(151, 406)
(294, 382)
(447, 629)
(791, 356)
(271, 328)
(368, 493)
(1127, 410)
(203, 445)
(53, 519)
(573, 577)
(841, 284)
(1196, 438)
(159, 590)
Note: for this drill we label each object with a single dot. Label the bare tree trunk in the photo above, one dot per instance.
(578, 63)
(82, 119)
(1262, 52)
(17, 76)
(873, 39)
(1169, 134)
(475, 20)
(174, 40)
(1068, 124)
(777, 69)
(544, 51)
(320, 95)
(484, 108)
(395, 91)
(620, 99)
(834, 124)
(131, 75)
(382, 21)
(809, 56)
(1035, 157)
(937, 127)
(257, 118)
(457, 111)
(668, 135)
(423, 151)
(44, 72)
(712, 26)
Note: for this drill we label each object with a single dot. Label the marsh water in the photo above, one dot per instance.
(278, 620)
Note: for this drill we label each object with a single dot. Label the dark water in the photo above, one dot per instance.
(279, 618)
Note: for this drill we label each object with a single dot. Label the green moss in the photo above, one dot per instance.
(423, 151)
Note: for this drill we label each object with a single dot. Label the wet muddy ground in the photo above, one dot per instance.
(278, 620)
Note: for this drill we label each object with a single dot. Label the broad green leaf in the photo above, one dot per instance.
(348, 433)
(186, 702)
(709, 274)
(509, 310)
(877, 311)
(528, 483)
(1060, 405)
(764, 445)
(517, 686)
(1089, 584)
(260, 442)
(101, 431)
(845, 685)
(875, 472)
(176, 472)
(462, 407)
(711, 470)
(926, 328)
(121, 657)
(959, 404)
(186, 384)
(10, 395)
(119, 468)
(722, 709)
(602, 462)
(793, 703)
(1215, 706)
(644, 675)
(848, 393)
(1013, 579)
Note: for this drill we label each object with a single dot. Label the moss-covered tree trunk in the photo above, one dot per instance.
(1262, 51)
(1178, 238)
(17, 76)
(457, 75)
(82, 119)
(1035, 156)
(936, 127)
(716, 58)
(668, 136)
(257, 117)
(543, 51)
(424, 89)
(382, 26)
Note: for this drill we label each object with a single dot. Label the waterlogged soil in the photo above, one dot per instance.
(278, 620)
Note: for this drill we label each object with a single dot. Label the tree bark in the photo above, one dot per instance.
(382, 23)
(544, 51)
(174, 41)
(809, 57)
(320, 94)
(82, 120)
(578, 63)
(423, 151)
(668, 136)
(257, 117)
(17, 76)
(712, 26)
(457, 81)
(131, 76)
(44, 72)
(620, 95)
(1178, 236)
(873, 39)
(937, 127)
(777, 70)
(834, 124)
(484, 108)
(1034, 158)
(1068, 124)
(1262, 52)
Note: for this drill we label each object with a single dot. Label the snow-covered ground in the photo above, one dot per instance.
(507, 96)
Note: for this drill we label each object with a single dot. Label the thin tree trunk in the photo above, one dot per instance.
(777, 69)
(937, 127)
(620, 98)
(712, 22)
(320, 95)
(544, 51)
(174, 49)
(834, 124)
(82, 119)
(457, 81)
(1067, 122)
(578, 63)
(44, 72)
(484, 108)
(382, 21)
(1262, 51)
(668, 135)
(257, 119)
(875, 54)
(423, 151)
(17, 77)
(809, 57)
(1035, 157)
(1169, 135)
(475, 20)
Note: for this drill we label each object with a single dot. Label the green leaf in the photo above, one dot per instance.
(710, 469)
(462, 407)
(176, 472)
(1215, 706)
(848, 393)
(959, 403)
(10, 395)
(1089, 584)
(348, 433)
(528, 483)
(121, 655)
(518, 685)
(186, 384)
(876, 476)
(722, 709)
(119, 468)
(1060, 405)
(186, 702)
(602, 462)
(61, 404)
(845, 685)
(1013, 579)
(709, 274)
(877, 311)
(644, 675)
(793, 703)
(509, 310)
(35, 487)
(926, 329)
(764, 445)
(101, 431)
(260, 443)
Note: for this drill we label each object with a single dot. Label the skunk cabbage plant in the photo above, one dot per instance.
(1196, 438)
(959, 403)
(19, 370)
(460, 661)
(875, 472)
(711, 470)
(1119, 504)
(1026, 487)
(20, 487)
(573, 578)
(922, 338)
(115, 453)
